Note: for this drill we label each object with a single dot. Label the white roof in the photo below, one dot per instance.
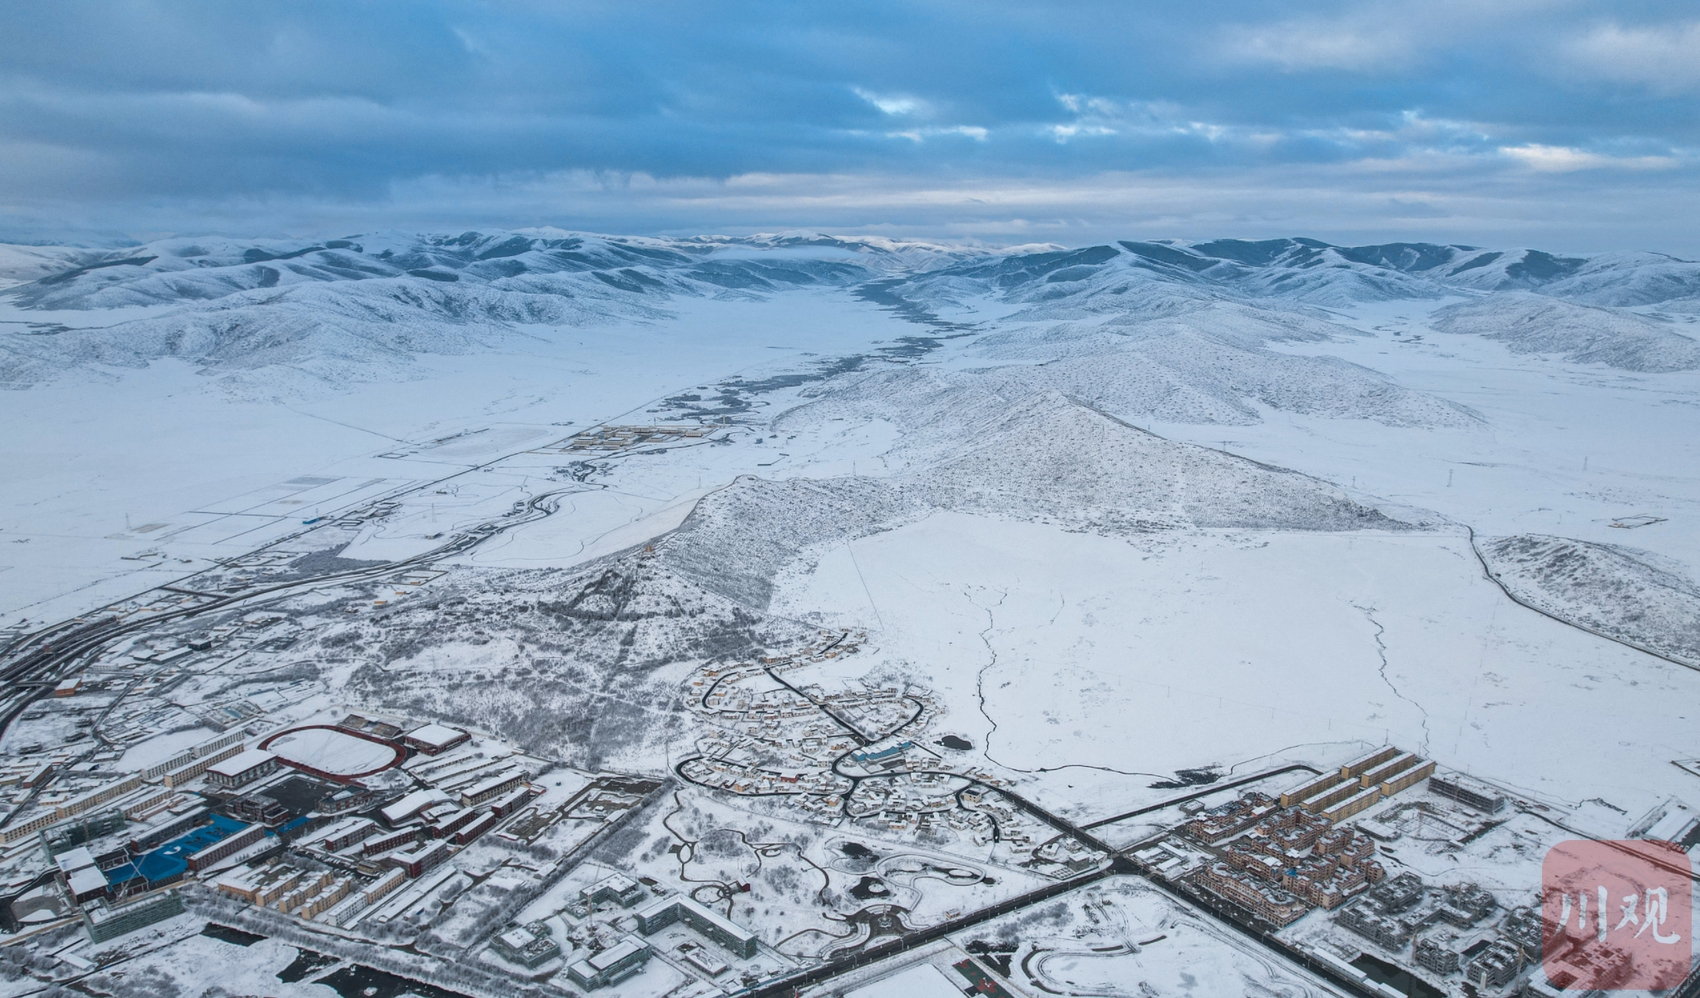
(241, 762)
(517, 938)
(437, 734)
(75, 859)
(1364, 760)
(709, 915)
(242, 878)
(332, 750)
(504, 776)
(617, 881)
(412, 804)
(87, 879)
(1671, 827)
(420, 852)
(615, 953)
(342, 827)
(1360, 795)
(507, 799)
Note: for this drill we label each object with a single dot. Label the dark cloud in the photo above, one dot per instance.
(180, 115)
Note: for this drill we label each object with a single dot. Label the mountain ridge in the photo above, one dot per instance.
(345, 309)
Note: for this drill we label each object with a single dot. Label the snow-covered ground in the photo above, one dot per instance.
(869, 551)
(105, 465)
(1095, 667)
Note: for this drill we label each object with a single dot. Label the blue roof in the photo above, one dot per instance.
(172, 859)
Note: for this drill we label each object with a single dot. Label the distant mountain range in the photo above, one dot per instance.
(335, 307)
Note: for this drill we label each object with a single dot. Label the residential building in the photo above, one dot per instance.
(618, 888)
(709, 924)
(435, 738)
(175, 778)
(475, 828)
(383, 885)
(1494, 967)
(609, 966)
(1388, 770)
(529, 946)
(1407, 779)
(242, 768)
(1468, 793)
(416, 861)
(104, 922)
(493, 787)
(345, 833)
(1357, 767)
(385, 841)
(226, 847)
(1220, 823)
(1435, 956)
(1310, 788)
(1354, 804)
(502, 806)
(1266, 901)
(80, 875)
(100, 795)
(29, 825)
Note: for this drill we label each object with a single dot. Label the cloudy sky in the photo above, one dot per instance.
(1567, 125)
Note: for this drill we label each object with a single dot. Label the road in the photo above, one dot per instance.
(1118, 863)
(35, 664)
(1207, 790)
(31, 666)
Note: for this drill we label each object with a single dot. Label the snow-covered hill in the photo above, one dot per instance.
(1586, 334)
(966, 447)
(352, 309)
(1165, 328)
(1628, 594)
(1308, 270)
(23, 264)
(549, 262)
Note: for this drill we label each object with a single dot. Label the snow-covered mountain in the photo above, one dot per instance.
(348, 309)
(1586, 334)
(1309, 270)
(540, 262)
(352, 309)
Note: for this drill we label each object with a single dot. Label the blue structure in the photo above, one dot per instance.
(170, 861)
(883, 754)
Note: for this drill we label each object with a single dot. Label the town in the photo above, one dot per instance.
(351, 832)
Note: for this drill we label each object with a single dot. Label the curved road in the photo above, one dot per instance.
(35, 664)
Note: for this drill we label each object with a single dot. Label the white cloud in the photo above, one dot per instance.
(1062, 133)
(1564, 159)
(974, 132)
(1378, 35)
(1665, 58)
(1087, 105)
(1300, 45)
(1441, 198)
(889, 104)
(1101, 116)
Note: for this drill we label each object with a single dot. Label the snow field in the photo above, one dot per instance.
(1228, 648)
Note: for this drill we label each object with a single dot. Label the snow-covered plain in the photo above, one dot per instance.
(104, 464)
(1103, 517)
